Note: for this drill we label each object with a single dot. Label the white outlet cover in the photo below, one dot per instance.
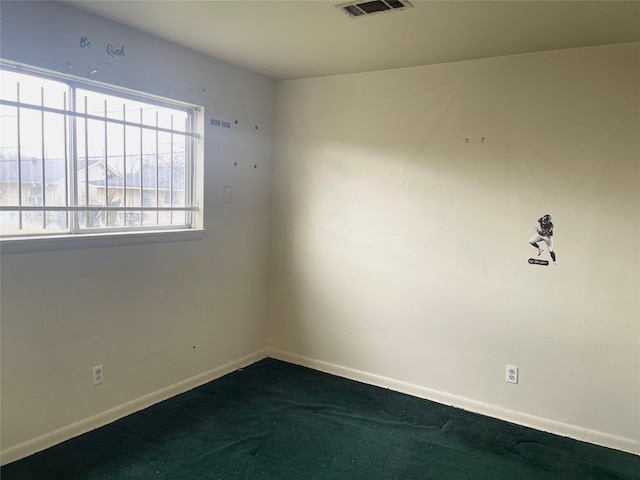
(512, 374)
(98, 374)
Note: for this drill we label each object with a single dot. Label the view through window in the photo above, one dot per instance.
(80, 158)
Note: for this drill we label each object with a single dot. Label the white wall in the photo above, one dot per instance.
(399, 248)
(160, 317)
(400, 239)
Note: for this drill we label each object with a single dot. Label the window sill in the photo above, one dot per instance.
(95, 240)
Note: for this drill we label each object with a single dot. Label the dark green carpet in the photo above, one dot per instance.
(274, 420)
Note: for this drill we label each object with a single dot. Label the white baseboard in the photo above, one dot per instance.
(60, 435)
(539, 423)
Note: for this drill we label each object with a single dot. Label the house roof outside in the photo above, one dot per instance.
(31, 170)
(31, 173)
(163, 178)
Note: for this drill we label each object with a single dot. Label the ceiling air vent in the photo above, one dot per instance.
(361, 9)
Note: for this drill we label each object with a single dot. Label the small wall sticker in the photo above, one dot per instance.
(544, 232)
(112, 50)
(115, 51)
(220, 123)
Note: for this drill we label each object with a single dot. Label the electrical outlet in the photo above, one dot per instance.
(98, 374)
(512, 374)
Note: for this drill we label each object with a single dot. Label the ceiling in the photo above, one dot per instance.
(307, 38)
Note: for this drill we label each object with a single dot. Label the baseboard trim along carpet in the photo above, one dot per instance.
(539, 423)
(60, 435)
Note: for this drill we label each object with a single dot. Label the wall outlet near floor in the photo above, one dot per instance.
(512, 374)
(98, 374)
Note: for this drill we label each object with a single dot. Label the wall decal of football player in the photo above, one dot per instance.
(544, 231)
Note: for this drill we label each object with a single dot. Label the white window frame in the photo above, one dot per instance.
(76, 236)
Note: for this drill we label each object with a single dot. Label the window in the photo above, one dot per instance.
(81, 158)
